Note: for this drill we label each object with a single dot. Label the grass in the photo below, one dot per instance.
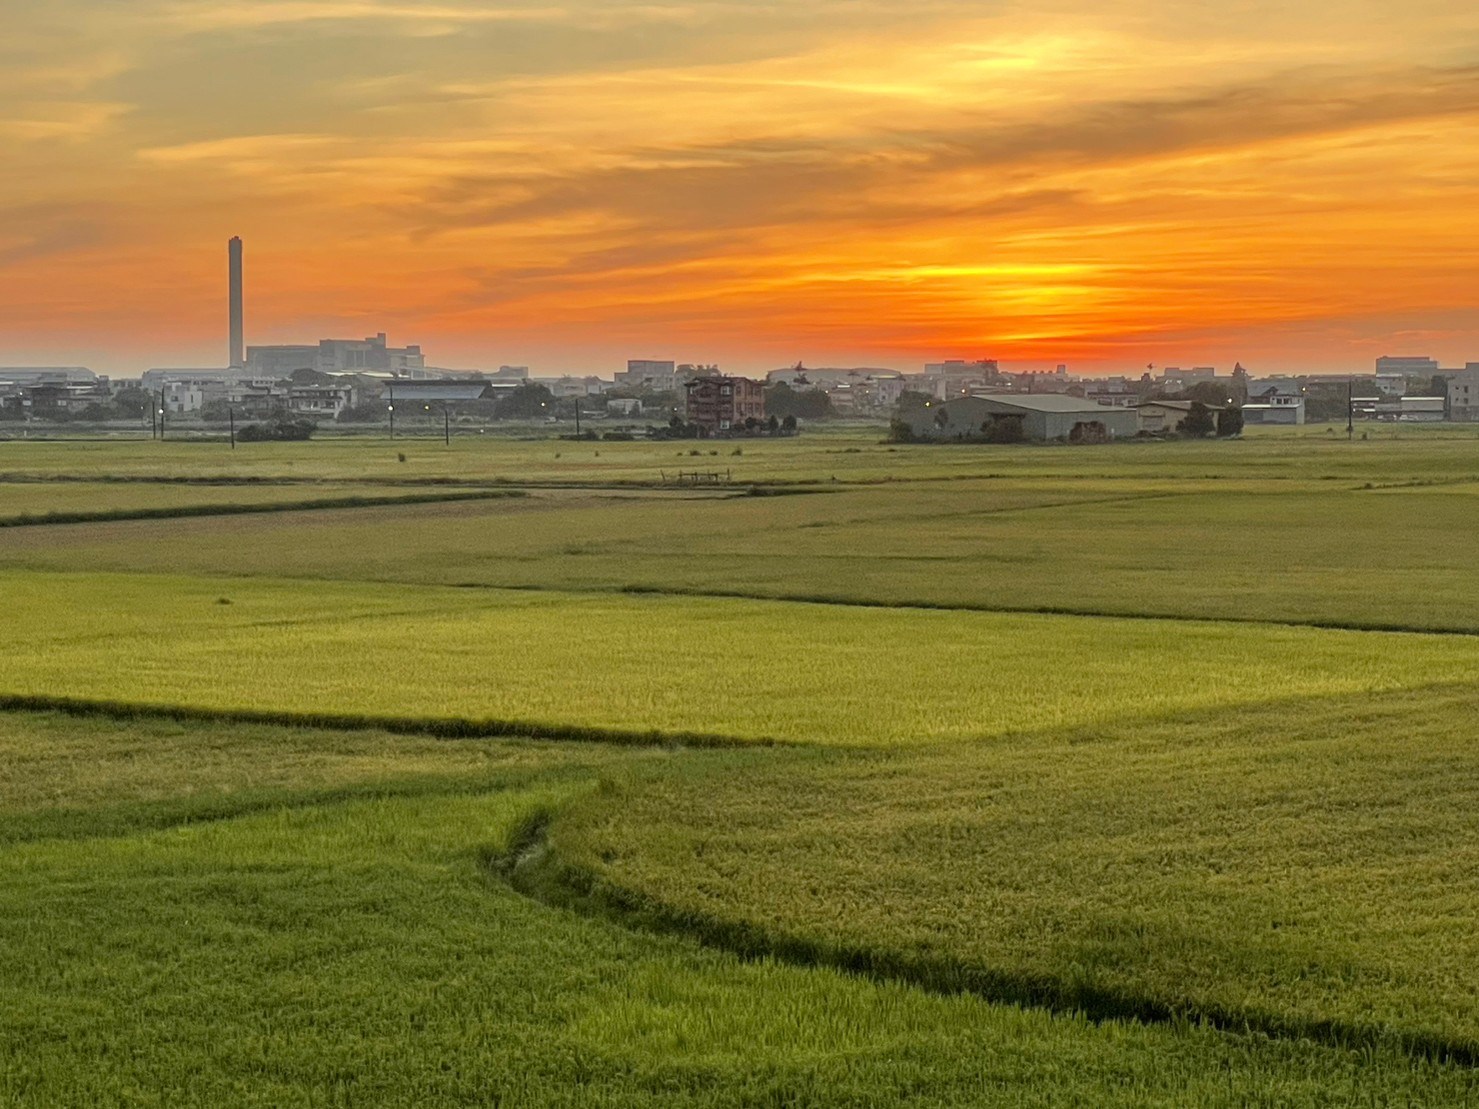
(360, 951)
(846, 454)
(1305, 867)
(683, 669)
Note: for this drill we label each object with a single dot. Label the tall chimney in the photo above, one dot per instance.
(238, 340)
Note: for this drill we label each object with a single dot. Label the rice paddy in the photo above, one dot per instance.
(1136, 775)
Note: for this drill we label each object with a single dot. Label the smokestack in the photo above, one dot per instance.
(238, 340)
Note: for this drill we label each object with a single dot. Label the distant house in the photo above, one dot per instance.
(1274, 407)
(718, 403)
(1040, 418)
(1162, 415)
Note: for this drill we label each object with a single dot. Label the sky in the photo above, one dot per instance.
(1108, 184)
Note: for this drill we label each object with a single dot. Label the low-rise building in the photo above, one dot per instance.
(1274, 408)
(1158, 416)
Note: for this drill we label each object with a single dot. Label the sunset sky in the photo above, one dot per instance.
(1106, 183)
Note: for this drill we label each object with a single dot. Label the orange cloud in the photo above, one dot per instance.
(1114, 184)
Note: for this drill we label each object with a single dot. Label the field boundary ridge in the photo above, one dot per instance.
(110, 515)
(450, 727)
(531, 866)
(645, 590)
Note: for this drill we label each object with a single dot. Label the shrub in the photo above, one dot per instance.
(279, 429)
(1199, 422)
(1005, 429)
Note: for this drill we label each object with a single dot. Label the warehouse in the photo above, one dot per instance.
(1036, 418)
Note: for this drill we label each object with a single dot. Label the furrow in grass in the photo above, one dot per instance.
(530, 866)
(921, 605)
(449, 727)
(157, 816)
(178, 511)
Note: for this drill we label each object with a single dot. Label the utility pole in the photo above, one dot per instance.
(447, 425)
(391, 387)
(1350, 409)
(577, 417)
(153, 419)
(231, 415)
(161, 413)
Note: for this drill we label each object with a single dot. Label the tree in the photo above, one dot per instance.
(370, 413)
(216, 412)
(1005, 429)
(788, 425)
(1438, 387)
(910, 402)
(280, 428)
(529, 401)
(808, 404)
(1229, 422)
(132, 402)
(1199, 422)
(1214, 394)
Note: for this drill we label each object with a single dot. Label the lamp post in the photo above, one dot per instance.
(391, 409)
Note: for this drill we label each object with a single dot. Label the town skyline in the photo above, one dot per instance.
(1106, 186)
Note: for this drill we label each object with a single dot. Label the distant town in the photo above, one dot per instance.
(367, 381)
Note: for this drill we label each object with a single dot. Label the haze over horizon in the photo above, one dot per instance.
(840, 181)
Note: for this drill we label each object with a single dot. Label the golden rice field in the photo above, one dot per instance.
(667, 666)
(1140, 775)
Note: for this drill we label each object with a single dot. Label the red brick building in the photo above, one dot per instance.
(719, 404)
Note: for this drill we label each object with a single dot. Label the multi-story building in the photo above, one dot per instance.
(956, 377)
(648, 374)
(1463, 394)
(1404, 365)
(280, 361)
(335, 356)
(718, 403)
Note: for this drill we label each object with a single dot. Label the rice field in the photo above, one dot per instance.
(848, 454)
(361, 948)
(1141, 775)
(670, 668)
(1286, 552)
(1306, 867)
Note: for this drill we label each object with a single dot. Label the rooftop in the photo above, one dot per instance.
(1046, 402)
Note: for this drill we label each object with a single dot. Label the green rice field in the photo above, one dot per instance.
(1136, 775)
